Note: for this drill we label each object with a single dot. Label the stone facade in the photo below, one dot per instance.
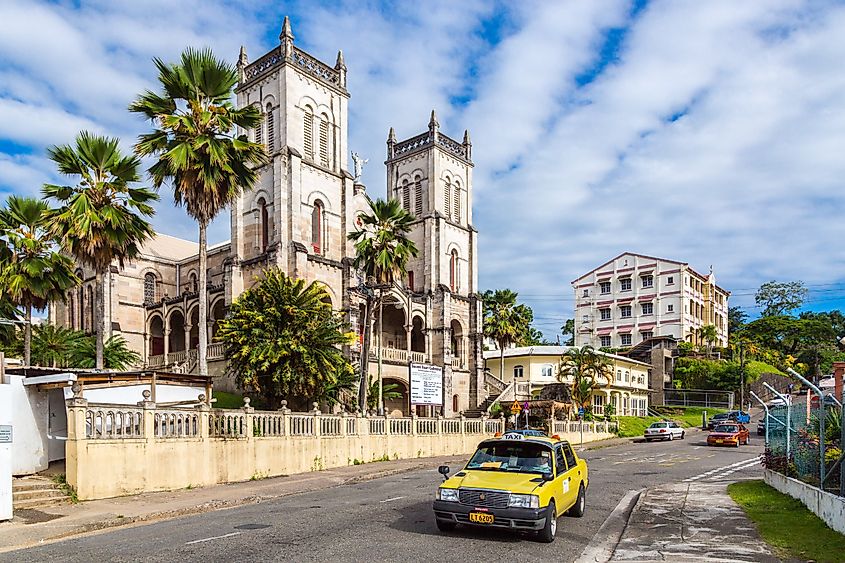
(297, 219)
(635, 297)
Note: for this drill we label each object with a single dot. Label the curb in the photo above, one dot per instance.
(604, 542)
(93, 527)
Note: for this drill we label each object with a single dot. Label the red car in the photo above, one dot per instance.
(732, 434)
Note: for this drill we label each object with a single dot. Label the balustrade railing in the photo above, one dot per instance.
(268, 424)
(176, 424)
(400, 425)
(330, 425)
(108, 423)
(216, 351)
(227, 424)
(301, 425)
(426, 426)
(377, 426)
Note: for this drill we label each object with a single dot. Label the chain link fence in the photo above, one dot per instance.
(799, 436)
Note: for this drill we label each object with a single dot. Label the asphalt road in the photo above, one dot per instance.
(390, 519)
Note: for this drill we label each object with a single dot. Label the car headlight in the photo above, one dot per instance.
(524, 501)
(449, 495)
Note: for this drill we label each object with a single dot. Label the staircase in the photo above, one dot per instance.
(36, 491)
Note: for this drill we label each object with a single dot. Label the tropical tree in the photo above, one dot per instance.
(588, 370)
(709, 334)
(388, 391)
(283, 340)
(54, 346)
(199, 150)
(568, 332)
(32, 273)
(505, 321)
(382, 252)
(101, 219)
(780, 298)
(116, 354)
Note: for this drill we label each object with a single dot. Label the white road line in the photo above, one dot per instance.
(390, 499)
(720, 469)
(748, 465)
(214, 538)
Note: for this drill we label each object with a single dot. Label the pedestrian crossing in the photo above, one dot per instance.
(725, 472)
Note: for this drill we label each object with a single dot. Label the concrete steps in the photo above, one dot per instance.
(37, 492)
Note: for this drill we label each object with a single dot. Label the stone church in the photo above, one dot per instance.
(297, 218)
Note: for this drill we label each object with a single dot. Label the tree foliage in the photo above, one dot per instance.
(60, 347)
(568, 332)
(736, 319)
(505, 321)
(780, 298)
(283, 340)
(588, 370)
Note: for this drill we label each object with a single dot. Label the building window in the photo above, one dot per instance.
(193, 281)
(626, 311)
(625, 285)
(605, 314)
(259, 128)
(517, 371)
(453, 270)
(317, 227)
(604, 287)
(627, 376)
(619, 375)
(91, 314)
(604, 341)
(670, 308)
(585, 319)
(149, 289)
(586, 293)
(308, 134)
(411, 280)
(647, 334)
(626, 339)
(648, 308)
(324, 141)
(456, 403)
(648, 281)
(670, 280)
(81, 308)
(271, 130)
(418, 196)
(546, 371)
(456, 203)
(406, 196)
(447, 196)
(264, 230)
(70, 320)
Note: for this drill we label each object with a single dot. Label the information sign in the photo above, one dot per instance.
(426, 384)
(5, 434)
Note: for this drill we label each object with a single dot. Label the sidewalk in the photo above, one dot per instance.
(690, 522)
(32, 527)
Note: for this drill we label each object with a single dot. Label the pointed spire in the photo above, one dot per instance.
(432, 123)
(466, 137)
(391, 137)
(340, 64)
(467, 145)
(286, 32)
(242, 62)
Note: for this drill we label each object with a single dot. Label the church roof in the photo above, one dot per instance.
(169, 248)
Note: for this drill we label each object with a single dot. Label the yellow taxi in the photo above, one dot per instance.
(516, 482)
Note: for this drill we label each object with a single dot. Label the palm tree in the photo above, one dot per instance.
(116, 353)
(101, 219)
(284, 341)
(382, 252)
(709, 335)
(34, 273)
(586, 368)
(199, 151)
(54, 346)
(504, 321)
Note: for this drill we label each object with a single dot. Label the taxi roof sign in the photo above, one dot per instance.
(515, 407)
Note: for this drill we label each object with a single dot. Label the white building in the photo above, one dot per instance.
(634, 297)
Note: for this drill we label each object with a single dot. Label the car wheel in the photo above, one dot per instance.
(682, 435)
(547, 534)
(671, 436)
(445, 525)
(577, 509)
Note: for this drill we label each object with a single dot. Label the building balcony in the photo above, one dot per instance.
(185, 360)
(397, 355)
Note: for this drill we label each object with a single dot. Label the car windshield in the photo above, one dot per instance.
(517, 457)
(727, 428)
(721, 416)
(659, 425)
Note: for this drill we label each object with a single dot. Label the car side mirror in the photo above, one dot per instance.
(548, 477)
(444, 470)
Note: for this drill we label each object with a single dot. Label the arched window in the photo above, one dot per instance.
(456, 403)
(317, 227)
(259, 128)
(517, 371)
(149, 288)
(271, 129)
(447, 195)
(308, 134)
(81, 309)
(453, 270)
(71, 321)
(324, 140)
(91, 313)
(418, 203)
(193, 281)
(406, 196)
(546, 370)
(264, 227)
(456, 203)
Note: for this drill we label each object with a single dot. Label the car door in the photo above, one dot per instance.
(561, 471)
(572, 478)
(676, 430)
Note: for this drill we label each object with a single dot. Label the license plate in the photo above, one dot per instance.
(481, 518)
(719, 441)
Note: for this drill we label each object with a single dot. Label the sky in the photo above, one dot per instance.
(706, 132)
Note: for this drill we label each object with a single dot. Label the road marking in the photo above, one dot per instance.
(390, 499)
(748, 465)
(727, 468)
(214, 538)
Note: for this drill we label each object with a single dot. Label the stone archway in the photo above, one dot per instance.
(176, 325)
(397, 407)
(156, 337)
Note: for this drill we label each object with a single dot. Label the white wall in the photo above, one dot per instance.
(132, 394)
(6, 452)
(30, 410)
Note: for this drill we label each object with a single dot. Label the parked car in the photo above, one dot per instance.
(515, 482)
(717, 419)
(775, 426)
(666, 430)
(728, 434)
(527, 432)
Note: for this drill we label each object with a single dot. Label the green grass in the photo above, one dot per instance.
(793, 531)
(633, 426)
(757, 368)
(227, 400)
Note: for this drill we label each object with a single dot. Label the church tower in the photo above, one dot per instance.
(431, 175)
(298, 214)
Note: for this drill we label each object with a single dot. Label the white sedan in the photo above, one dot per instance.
(663, 431)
